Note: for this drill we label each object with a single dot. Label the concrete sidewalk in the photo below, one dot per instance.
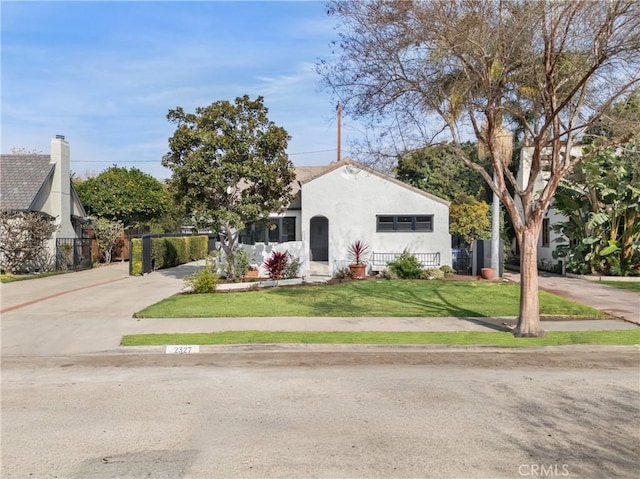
(90, 311)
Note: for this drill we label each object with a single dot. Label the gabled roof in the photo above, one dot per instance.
(306, 174)
(21, 177)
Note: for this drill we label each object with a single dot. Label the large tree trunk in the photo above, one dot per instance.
(529, 318)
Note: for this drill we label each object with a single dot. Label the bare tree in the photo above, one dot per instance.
(443, 69)
(23, 241)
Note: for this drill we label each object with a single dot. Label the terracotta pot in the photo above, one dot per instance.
(252, 273)
(358, 271)
(488, 273)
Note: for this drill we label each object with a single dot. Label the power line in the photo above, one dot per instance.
(156, 161)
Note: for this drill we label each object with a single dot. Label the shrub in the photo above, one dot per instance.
(343, 273)
(406, 266)
(23, 241)
(242, 263)
(276, 264)
(386, 274)
(293, 266)
(107, 235)
(433, 273)
(447, 270)
(203, 281)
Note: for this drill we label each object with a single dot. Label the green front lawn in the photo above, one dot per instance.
(377, 298)
(10, 278)
(462, 338)
(629, 286)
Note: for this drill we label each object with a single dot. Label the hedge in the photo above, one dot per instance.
(168, 252)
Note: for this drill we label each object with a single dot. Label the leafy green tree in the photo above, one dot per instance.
(229, 166)
(602, 206)
(107, 234)
(129, 196)
(469, 219)
(425, 72)
(436, 169)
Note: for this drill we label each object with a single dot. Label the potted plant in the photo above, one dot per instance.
(357, 252)
(488, 273)
(252, 272)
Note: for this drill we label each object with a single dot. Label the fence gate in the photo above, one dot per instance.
(461, 259)
(73, 254)
(147, 258)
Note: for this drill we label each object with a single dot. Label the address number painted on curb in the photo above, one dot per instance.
(182, 349)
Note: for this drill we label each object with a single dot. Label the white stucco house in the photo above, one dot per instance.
(345, 201)
(548, 239)
(42, 184)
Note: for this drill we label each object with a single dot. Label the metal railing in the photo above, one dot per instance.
(427, 260)
(73, 254)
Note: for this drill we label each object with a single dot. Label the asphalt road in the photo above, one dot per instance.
(198, 417)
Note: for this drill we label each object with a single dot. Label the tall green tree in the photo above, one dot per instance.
(229, 166)
(469, 219)
(127, 196)
(436, 170)
(425, 72)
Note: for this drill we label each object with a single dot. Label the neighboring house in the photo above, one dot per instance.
(42, 183)
(345, 201)
(548, 239)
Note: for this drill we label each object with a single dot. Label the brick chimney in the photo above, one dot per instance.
(61, 187)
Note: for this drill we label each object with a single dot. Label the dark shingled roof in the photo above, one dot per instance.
(21, 177)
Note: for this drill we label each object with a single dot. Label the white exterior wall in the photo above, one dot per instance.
(545, 253)
(351, 198)
(259, 252)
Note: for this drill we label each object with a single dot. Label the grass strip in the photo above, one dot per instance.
(457, 338)
(9, 278)
(372, 298)
(626, 285)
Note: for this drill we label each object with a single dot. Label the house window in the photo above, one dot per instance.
(545, 232)
(404, 223)
(385, 223)
(275, 230)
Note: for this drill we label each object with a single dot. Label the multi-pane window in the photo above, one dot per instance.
(404, 223)
(274, 230)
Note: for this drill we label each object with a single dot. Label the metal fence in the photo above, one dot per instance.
(74, 254)
(427, 260)
(462, 261)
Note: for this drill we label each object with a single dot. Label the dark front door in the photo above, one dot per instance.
(319, 238)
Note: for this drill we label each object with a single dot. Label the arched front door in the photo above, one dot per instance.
(319, 238)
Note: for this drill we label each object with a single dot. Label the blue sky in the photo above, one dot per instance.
(105, 74)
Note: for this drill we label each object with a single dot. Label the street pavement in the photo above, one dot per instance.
(90, 311)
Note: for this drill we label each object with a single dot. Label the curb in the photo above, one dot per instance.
(363, 348)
